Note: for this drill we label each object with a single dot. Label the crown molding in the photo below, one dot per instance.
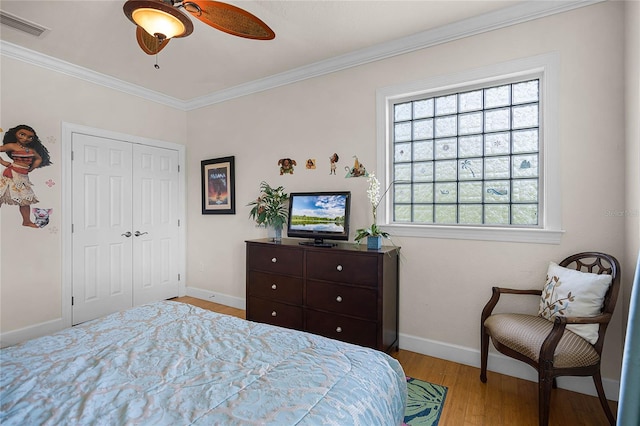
(32, 57)
(521, 12)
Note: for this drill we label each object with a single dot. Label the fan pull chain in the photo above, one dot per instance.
(158, 43)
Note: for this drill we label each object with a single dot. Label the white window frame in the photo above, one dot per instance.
(545, 67)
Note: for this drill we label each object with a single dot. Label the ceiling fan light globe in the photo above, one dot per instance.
(158, 18)
(158, 22)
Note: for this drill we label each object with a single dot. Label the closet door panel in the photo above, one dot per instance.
(102, 253)
(155, 224)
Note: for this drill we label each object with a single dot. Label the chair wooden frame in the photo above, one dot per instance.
(594, 262)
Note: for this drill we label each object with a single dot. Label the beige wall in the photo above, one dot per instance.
(444, 283)
(31, 271)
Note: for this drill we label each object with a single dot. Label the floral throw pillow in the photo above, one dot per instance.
(573, 293)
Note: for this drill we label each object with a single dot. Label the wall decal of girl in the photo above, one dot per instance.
(22, 145)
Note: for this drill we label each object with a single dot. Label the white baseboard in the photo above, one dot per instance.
(11, 338)
(502, 364)
(211, 296)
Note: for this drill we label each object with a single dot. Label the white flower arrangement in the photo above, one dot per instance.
(373, 193)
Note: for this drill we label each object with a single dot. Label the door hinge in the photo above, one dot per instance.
(178, 223)
(71, 155)
(72, 301)
(178, 168)
(178, 277)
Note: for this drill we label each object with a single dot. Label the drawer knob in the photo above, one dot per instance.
(274, 260)
(339, 330)
(339, 268)
(273, 314)
(339, 299)
(273, 286)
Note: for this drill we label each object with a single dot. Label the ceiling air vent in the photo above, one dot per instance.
(21, 24)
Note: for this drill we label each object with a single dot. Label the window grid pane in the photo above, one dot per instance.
(469, 157)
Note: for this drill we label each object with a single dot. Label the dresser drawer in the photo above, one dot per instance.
(276, 313)
(276, 287)
(338, 327)
(341, 267)
(356, 301)
(276, 259)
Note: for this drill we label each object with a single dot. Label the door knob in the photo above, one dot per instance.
(138, 233)
(126, 234)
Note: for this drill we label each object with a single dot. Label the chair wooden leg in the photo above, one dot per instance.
(484, 353)
(597, 380)
(545, 385)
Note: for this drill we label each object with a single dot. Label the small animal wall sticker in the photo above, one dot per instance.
(286, 166)
(41, 216)
(358, 169)
(311, 164)
(333, 159)
(50, 183)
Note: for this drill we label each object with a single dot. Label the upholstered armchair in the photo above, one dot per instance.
(567, 335)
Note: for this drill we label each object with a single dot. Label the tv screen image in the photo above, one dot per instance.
(319, 215)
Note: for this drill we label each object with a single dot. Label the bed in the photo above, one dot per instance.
(170, 363)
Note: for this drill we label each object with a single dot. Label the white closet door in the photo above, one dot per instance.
(102, 251)
(125, 225)
(155, 224)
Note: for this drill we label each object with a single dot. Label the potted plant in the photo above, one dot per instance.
(373, 233)
(270, 209)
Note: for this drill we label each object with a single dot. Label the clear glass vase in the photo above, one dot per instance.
(274, 233)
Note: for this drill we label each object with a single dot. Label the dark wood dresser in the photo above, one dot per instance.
(344, 292)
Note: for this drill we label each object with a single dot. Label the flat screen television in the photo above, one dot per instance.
(319, 216)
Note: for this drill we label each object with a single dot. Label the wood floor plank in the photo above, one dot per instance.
(502, 401)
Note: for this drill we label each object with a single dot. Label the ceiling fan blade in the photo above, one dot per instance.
(149, 44)
(230, 19)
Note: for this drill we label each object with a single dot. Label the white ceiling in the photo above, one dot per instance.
(96, 35)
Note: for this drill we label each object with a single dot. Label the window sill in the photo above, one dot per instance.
(517, 235)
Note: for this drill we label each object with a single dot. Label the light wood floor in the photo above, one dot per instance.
(503, 400)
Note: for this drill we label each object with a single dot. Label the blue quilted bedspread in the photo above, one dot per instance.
(170, 363)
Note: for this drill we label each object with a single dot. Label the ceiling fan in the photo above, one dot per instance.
(158, 21)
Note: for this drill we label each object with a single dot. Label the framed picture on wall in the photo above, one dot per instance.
(218, 186)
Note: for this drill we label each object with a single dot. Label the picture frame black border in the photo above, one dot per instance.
(230, 187)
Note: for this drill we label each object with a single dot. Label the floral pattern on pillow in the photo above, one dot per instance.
(572, 293)
(551, 303)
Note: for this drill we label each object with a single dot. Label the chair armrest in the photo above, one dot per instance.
(598, 319)
(505, 290)
(495, 297)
